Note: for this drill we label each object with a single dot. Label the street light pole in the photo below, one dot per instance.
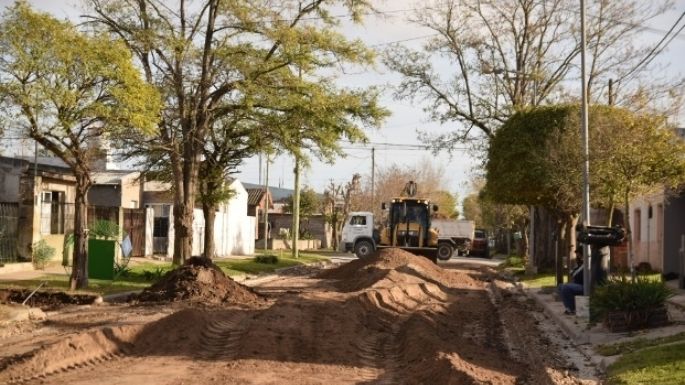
(586, 151)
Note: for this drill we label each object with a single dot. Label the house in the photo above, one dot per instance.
(658, 226)
(234, 229)
(144, 210)
(657, 223)
(41, 196)
(258, 200)
(315, 226)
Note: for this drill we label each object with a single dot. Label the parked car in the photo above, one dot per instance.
(480, 245)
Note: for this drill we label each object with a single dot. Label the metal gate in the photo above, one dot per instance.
(9, 220)
(134, 226)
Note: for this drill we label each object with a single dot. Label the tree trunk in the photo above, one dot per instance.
(209, 211)
(571, 246)
(559, 251)
(178, 202)
(79, 271)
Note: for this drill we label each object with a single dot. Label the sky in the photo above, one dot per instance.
(407, 118)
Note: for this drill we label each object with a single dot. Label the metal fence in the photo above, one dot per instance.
(9, 223)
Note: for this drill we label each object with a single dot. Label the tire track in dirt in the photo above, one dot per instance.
(76, 352)
(221, 338)
(384, 350)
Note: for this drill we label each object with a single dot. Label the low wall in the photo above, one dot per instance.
(281, 244)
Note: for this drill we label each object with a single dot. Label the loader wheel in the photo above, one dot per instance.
(445, 251)
(363, 249)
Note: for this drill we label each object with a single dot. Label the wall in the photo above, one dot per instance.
(674, 228)
(647, 232)
(234, 230)
(315, 224)
(10, 173)
(104, 195)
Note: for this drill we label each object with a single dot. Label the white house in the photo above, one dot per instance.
(234, 230)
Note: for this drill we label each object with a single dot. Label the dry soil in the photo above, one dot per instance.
(393, 318)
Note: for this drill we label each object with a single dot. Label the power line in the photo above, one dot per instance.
(656, 50)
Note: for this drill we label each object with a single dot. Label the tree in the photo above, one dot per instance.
(337, 204)
(511, 53)
(212, 59)
(310, 203)
(68, 89)
(431, 178)
(639, 155)
(531, 160)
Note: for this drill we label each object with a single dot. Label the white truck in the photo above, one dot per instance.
(361, 237)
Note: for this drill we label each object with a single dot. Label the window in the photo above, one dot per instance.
(358, 220)
(52, 212)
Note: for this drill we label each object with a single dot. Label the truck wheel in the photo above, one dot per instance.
(445, 251)
(363, 249)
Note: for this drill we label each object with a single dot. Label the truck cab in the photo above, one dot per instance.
(358, 233)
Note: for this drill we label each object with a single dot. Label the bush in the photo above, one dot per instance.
(42, 253)
(267, 259)
(104, 229)
(634, 300)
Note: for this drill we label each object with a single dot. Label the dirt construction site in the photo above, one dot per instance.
(392, 318)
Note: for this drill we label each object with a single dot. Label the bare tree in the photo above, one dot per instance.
(510, 53)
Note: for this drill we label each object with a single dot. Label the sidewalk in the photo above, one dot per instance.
(582, 333)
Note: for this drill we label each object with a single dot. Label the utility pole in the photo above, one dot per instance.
(296, 209)
(611, 92)
(260, 168)
(586, 152)
(373, 178)
(266, 205)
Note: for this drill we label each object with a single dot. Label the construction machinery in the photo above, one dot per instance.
(407, 226)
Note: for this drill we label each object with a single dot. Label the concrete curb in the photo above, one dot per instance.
(566, 324)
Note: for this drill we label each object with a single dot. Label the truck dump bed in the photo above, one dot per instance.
(454, 228)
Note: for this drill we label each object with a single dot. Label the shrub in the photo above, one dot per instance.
(104, 229)
(267, 259)
(635, 301)
(42, 253)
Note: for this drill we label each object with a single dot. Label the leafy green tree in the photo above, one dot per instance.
(447, 203)
(67, 89)
(534, 159)
(258, 60)
(310, 203)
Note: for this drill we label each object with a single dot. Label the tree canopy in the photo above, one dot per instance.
(69, 90)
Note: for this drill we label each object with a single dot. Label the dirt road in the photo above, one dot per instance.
(392, 319)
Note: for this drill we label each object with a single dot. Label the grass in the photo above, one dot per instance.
(142, 275)
(658, 365)
(637, 344)
(538, 280)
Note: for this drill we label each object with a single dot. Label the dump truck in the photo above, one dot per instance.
(409, 226)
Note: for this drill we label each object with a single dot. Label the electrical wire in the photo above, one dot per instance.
(656, 50)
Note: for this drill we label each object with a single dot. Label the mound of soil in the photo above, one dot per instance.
(384, 265)
(199, 279)
(46, 299)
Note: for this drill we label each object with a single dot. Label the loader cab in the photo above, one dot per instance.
(408, 222)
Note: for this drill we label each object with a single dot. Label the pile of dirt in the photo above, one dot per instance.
(384, 264)
(46, 299)
(199, 280)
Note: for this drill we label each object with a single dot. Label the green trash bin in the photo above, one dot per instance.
(101, 259)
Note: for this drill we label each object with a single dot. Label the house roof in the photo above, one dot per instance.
(277, 193)
(254, 196)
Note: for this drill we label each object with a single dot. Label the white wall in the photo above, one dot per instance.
(234, 230)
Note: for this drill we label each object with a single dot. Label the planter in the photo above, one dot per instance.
(625, 321)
